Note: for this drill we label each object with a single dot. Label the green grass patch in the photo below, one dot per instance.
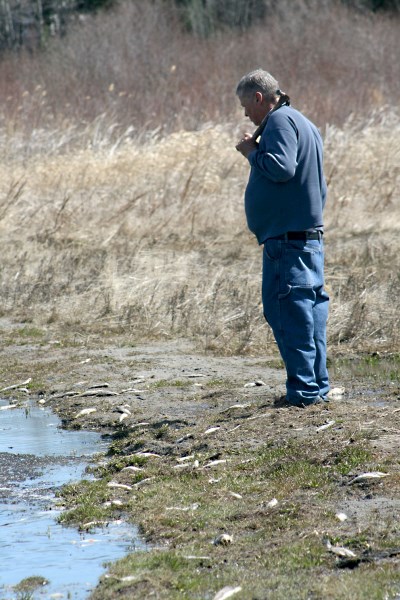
(84, 501)
(376, 368)
(27, 586)
(118, 463)
(351, 458)
(29, 332)
(300, 473)
(164, 383)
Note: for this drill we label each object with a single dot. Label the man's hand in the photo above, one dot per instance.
(246, 145)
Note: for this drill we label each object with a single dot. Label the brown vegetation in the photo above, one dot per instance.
(113, 214)
(138, 67)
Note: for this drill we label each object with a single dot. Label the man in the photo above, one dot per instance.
(284, 200)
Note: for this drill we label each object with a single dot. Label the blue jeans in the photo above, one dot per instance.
(296, 307)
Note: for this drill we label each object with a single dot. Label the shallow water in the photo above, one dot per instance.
(36, 457)
(380, 370)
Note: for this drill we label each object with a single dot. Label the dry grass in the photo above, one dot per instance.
(363, 221)
(114, 215)
(149, 236)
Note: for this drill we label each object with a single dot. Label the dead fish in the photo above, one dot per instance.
(132, 468)
(8, 406)
(132, 390)
(122, 486)
(92, 524)
(234, 429)
(223, 540)
(258, 416)
(123, 409)
(185, 458)
(235, 495)
(227, 592)
(98, 392)
(336, 392)
(65, 394)
(113, 503)
(214, 463)
(85, 411)
(123, 417)
(194, 506)
(143, 482)
(326, 426)
(147, 454)
(139, 425)
(236, 406)
(16, 385)
(367, 477)
(211, 430)
(256, 383)
(340, 550)
(185, 437)
(193, 375)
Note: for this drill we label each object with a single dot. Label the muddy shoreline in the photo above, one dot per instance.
(216, 414)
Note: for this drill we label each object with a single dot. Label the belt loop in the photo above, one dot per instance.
(285, 237)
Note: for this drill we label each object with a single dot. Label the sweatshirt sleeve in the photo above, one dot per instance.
(276, 156)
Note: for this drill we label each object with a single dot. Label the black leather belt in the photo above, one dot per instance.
(300, 235)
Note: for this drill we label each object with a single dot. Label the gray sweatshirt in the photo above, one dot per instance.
(286, 190)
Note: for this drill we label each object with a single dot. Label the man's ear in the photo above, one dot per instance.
(259, 97)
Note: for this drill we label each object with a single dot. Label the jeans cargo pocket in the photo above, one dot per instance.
(302, 264)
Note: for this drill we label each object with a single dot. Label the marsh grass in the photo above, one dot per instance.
(88, 498)
(121, 209)
(150, 239)
(375, 368)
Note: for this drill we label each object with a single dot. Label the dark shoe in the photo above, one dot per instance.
(283, 402)
(318, 400)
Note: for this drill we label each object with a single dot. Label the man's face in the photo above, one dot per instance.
(255, 107)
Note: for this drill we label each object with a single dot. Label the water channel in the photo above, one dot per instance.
(36, 457)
